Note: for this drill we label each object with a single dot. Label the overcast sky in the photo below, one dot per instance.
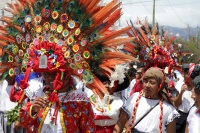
(175, 13)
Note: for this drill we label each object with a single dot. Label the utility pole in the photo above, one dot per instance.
(197, 37)
(2, 16)
(153, 22)
(119, 19)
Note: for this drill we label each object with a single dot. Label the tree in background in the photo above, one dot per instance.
(191, 44)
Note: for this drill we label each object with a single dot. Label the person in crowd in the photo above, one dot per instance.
(34, 90)
(138, 82)
(131, 76)
(151, 110)
(172, 76)
(173, 92)
(110, 105)
(193, 125)
(6, 104)
(184, 101)
(73, 113)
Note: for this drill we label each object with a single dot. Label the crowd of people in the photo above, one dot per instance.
(64, 68)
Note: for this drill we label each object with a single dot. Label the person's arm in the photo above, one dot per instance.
(25, 117)
(178, 100)
(186, 128)
(171, 127)
(121, 122)
(17, 126)
(28, 113)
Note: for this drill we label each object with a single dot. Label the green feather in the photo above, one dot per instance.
(12, 31)
(70, 7)
(24, 12)
(3, 75)
(4, 57)
(17, 20)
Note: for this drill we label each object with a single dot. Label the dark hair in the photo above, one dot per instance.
(102, 77)
(131, 73)
(194, 73)
(123, 86)
(164, 93)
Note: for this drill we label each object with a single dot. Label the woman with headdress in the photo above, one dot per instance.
(107, 108)
(150, 110)
(193, 119)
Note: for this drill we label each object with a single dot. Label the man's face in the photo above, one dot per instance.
(107, 86)
(49, 77)
(150, 87)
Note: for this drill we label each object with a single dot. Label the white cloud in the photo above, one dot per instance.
(179, 17)
(175, 14)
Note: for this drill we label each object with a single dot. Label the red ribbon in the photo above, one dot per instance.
(24, 83)
(191, 68)
(55, 115)
(54, 97)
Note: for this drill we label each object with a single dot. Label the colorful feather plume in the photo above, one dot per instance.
(76, 26)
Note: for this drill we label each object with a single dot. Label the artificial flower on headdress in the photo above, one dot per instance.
(64, 36)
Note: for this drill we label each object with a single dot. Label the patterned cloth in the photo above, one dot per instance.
(77, 115)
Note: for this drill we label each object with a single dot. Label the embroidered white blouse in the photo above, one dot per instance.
(150, 123)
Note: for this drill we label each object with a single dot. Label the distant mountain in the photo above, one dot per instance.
(180, 32)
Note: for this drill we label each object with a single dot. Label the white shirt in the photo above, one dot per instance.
(187, 101)
(5, 103)
(180, 81)
(193, 121)
(149, 123)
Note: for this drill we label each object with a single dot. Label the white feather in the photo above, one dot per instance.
(118, 74)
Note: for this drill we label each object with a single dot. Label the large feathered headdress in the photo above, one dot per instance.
(63, 36)
(149, 46)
